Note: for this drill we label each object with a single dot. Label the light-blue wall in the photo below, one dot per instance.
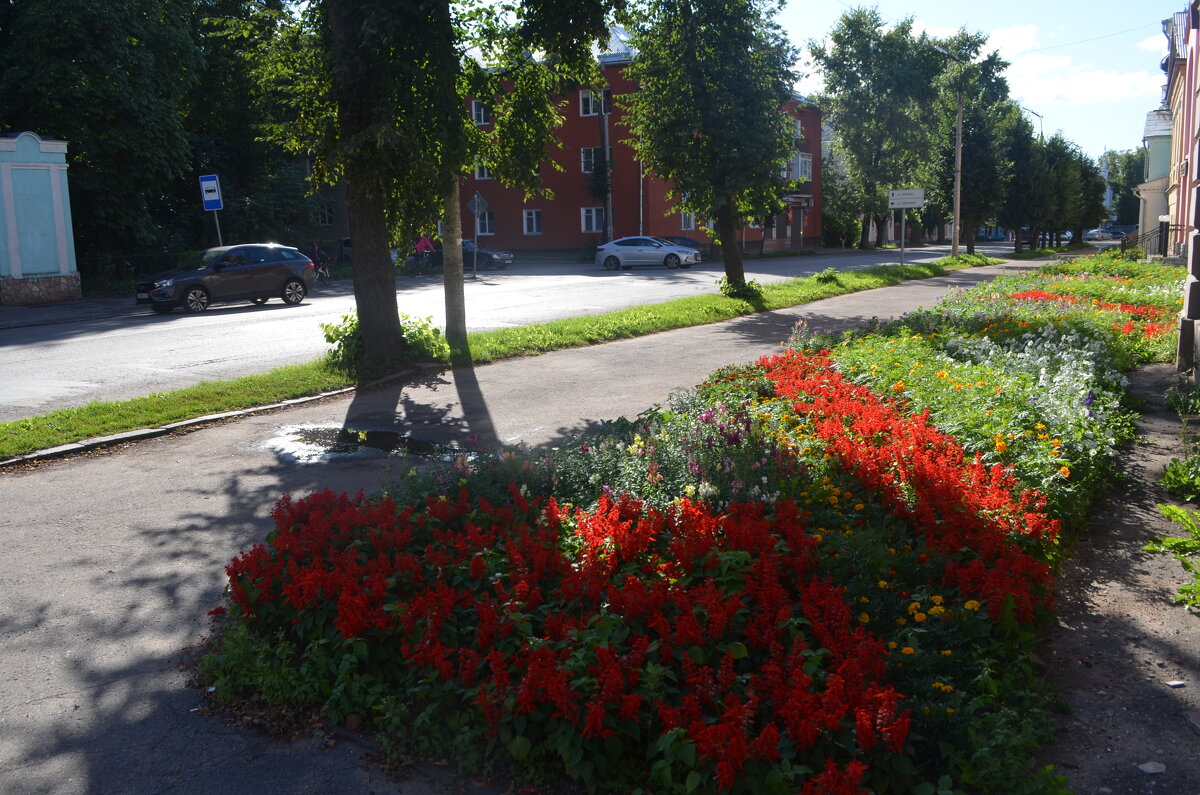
(35, 205)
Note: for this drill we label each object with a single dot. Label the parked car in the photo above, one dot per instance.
(255, 272)
(488, 258)
(625, 252)
(1097, 234)
(1120, 230)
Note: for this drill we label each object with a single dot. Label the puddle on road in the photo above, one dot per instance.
(310, 444)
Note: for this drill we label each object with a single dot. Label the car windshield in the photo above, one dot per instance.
(666, 242)
(198, 259)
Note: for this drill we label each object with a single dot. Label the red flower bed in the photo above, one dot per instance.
(627, 633)
(961, 508)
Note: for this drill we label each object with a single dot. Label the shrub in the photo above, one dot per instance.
(422, 341)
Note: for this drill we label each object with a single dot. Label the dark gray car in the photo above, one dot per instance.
(254, 272)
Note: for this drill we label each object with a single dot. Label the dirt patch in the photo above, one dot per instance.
(1123, 654)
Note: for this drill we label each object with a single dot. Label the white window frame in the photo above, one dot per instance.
(482, 171)
(479, 112)
(591, 220)
(325, 214)
(531, 222)
(589, 105)
(485, 223)
(687, 221)
(587, 158)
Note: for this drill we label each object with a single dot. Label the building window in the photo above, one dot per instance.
(325, 214)
(593, 103)
(687, 221)
(592, 219)
(479, 112)
(482, 172)
(485, 223)
(589, 155)
(799, 168)
(533, 222)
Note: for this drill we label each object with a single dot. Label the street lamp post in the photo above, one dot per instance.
(955, 228)
(1041, 131)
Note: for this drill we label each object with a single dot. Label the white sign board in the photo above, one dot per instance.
(904, 199)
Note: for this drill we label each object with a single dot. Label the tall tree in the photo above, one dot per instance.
(111, 79)
(1126, 170)
(1027, 197)
(879, 83)
(713, 77)
(985, 170)
(382, 106)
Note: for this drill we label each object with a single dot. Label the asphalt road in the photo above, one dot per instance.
(60, 357)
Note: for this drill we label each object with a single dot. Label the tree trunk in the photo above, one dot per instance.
(374, 285)
(735, 273)
(374, 275)
(452, 278)
(864, 237)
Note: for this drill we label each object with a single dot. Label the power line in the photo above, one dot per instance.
(1096, 38)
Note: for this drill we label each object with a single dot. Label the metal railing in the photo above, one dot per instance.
(1165, 240)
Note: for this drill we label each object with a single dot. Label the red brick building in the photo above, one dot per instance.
(574, 219)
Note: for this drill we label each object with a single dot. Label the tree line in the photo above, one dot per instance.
(893, 96)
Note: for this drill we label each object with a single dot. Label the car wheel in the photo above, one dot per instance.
(163, 309)
(672, 261)
(293, 292)
(196, 299)
(612, 263)
(261, 300)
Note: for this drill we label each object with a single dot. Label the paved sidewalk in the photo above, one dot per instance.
(113, 558)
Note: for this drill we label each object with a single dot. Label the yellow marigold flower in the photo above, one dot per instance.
(1056, 442)
(947, 653)
(865, 600)
(817, 538)
(980, 383)
(1001, 445)
(893, 644)
(972, 604)
(943, 374)
(858, 506)
(1040, 427)
(914, 607)
(901, 622)
(957, 387)
(919, 617)
(937, 600)
(898, 386)
(883, 584)
(1064, 471)
(908, 650)
(949, 710)
(936, 610)
(863, 618)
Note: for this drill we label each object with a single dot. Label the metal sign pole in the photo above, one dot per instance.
(217, 221)
(903, 217)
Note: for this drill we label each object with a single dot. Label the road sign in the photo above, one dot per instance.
(477, 204)
(904, 199)
(210, 192)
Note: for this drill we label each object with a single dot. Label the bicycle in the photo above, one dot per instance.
(323, 275)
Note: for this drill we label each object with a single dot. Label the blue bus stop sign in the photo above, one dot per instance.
(210, 192)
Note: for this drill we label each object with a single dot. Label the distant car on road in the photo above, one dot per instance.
(625, 252)
(1097, 234)
(255, 272)
(488, 258)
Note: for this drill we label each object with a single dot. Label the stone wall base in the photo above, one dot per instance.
(31, 290)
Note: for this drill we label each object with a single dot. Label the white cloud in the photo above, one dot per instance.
(1013, 41)
(1155, 44)
(1056, 80)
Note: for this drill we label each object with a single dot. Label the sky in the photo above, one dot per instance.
(1091, 69)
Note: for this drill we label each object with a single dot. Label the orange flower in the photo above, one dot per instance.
(1064, 471)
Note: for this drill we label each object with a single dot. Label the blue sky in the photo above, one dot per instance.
(1091, 69)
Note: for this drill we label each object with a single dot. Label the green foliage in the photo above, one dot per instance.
(827, 276)
(1182, 477)
(749, 291)
(110, 79)
(1183, 398)
(714, 78)
(423, 341)
(1185, 551)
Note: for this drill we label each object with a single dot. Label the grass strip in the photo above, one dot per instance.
(105, 418)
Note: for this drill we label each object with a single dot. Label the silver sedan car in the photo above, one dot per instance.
(625, 252)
